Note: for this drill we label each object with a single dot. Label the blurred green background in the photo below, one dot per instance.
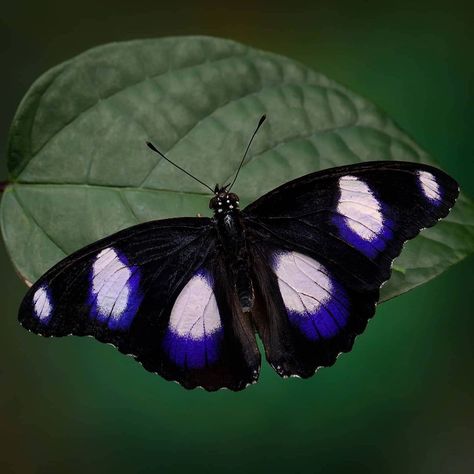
(401, 402)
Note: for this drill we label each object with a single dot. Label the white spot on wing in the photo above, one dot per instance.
(429, 185)
(360, 208)
(42, 303)
(195, 313)
(110, 283)
(304, 283)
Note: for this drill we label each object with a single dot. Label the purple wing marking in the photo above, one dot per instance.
(361, 218)
(316, 304)
(42, 304)
(194, 332)
(115, 295)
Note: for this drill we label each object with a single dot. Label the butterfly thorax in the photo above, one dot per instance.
(227, 218)
(231, 233)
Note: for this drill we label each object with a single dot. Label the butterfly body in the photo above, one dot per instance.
(230, 229)
(301, 266)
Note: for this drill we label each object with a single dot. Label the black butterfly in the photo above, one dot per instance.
(302, 266)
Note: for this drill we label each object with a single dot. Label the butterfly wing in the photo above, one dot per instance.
(323, 245)
(156, 291)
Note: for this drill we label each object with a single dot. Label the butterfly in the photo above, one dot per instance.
(301, 267)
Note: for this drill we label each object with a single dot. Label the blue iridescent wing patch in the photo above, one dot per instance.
(361, 217)
(115, 293)
(194, 335)
(315, 302)
(208, 341)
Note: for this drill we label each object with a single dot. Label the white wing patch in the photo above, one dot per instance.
(303, 282)
(195, 314)
(361, 210)
(315, 303)
(42, 304)
(429, 185)
(110, 284)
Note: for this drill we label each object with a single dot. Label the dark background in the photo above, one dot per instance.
(401, 402)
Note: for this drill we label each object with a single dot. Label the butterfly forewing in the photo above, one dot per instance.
(323, 245)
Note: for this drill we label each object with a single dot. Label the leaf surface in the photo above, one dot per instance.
(80, 169)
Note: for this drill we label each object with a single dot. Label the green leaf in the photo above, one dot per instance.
(80, 169)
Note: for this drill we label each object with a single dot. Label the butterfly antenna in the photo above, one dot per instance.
(260, 122)
(153, 147)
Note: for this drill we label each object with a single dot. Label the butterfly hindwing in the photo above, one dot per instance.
(208, 340)
(151, 291)
(305, 313)
(323, 245)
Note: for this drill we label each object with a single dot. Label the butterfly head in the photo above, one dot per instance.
(223, 201)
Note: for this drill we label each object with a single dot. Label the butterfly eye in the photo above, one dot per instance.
(212, 203)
